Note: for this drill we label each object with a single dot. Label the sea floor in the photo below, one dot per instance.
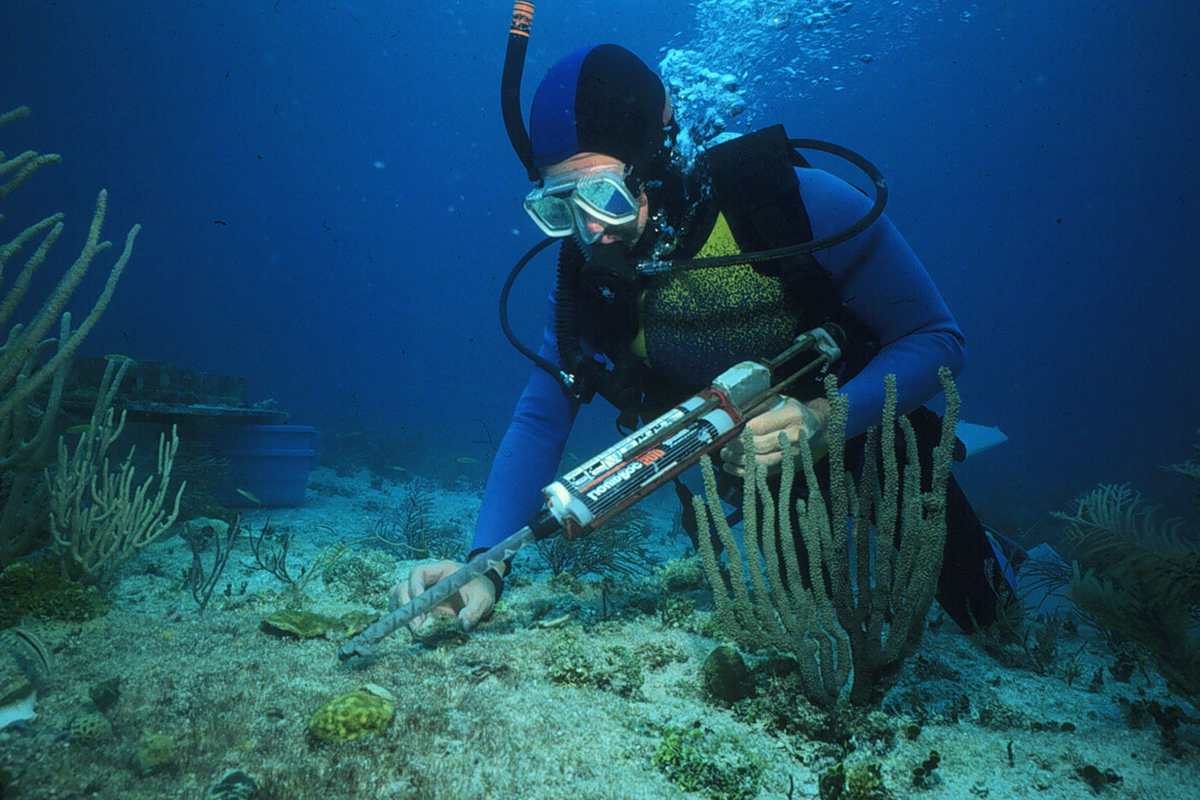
(534, 703)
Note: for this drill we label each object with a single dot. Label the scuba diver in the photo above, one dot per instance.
(612, 189)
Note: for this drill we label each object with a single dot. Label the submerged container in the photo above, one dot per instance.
(269, 464)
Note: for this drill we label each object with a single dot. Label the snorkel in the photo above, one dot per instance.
(581, 376)
(510, 84)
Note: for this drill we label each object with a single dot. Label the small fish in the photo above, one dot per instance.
(466, 460)
(78, 428)
(118, 357)
(400, 469)
(249, 497)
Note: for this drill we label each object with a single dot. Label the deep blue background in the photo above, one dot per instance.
(330, 204)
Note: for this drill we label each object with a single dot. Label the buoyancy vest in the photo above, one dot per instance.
(691, 325)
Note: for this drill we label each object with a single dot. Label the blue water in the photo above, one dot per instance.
(330, 203)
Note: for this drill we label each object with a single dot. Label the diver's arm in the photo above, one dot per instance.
(526, 460)
(529, 453)
(882, 283)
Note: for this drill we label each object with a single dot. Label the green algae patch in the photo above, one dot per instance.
(41, 590)
(698, 760)
(353, 623)
(310, 625)
(155, 753)
(351, 716)
(301, 624)
(439, 630)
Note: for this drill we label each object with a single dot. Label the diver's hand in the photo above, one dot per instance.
(794, 418)
(470, 604)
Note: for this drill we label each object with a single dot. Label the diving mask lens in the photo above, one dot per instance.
(605, 197)
(552, 213)
(566, 207)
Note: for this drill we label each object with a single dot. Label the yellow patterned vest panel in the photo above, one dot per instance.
(697, 323)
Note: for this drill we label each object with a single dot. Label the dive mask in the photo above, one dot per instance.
(563, 205)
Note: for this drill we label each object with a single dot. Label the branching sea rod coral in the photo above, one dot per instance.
(30, 361)
(100, 517)
(97, 518)
(856, 611)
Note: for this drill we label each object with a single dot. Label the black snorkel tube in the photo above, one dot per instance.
(510, 106)
(510, 83)
(573, 384)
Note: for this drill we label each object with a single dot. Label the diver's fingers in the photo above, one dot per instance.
(769, 444)
(732, 453)
(733, 458)
(420, 579)
(415, 585)
(769, 461)
(404, 593)
(768, 455)
(479, 602)
(765, 428)
(765, 444)
(426, 575)
(783, 414)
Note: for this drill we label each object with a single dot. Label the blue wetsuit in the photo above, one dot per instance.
(876, 277)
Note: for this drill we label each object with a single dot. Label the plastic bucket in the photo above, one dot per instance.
(269, 464)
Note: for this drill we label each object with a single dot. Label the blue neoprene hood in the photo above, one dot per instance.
(598, 99)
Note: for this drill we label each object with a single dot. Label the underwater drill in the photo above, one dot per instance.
(601, 488)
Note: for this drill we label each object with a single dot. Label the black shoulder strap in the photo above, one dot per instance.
(755, 184)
